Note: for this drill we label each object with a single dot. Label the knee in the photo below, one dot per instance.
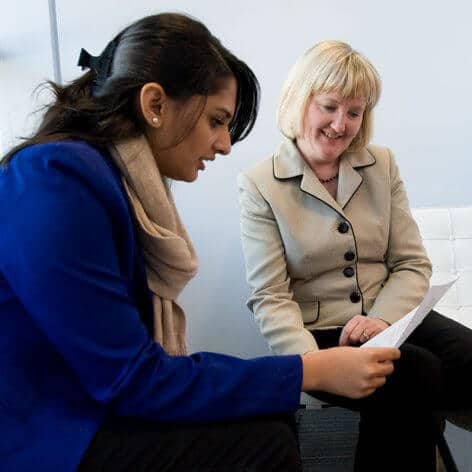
(418, 373)
(282, 446)
(283, 434)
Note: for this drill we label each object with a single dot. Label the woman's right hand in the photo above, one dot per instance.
(348, 371)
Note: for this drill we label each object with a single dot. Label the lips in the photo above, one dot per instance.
(330, 136)
(201, 162)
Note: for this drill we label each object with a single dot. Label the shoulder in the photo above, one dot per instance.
(280, 169)
(253, 183)
(59, 199)
(69, 177)
(276, 173)
(385, 160)
(63, 163)
(62, 156)
(375, 160)
(380, 153)
(385, 167)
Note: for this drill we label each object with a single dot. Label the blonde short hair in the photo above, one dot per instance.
(326, 67)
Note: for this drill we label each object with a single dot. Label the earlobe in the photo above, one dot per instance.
(152, 100)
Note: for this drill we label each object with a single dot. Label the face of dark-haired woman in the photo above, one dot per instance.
(208, 137)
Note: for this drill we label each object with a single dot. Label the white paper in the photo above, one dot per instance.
(396, 334)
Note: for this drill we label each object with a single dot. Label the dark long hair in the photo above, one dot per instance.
(172, 49)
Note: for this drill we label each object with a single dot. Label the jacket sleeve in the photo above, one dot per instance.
(58, 252)
(408, 265)
(278, 316)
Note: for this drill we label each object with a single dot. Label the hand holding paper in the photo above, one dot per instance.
(396, 334)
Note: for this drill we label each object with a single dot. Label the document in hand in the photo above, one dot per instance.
(396, 334)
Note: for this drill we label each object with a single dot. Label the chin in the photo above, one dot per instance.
(183, 177)
(333, 154)
(187, 179)
(329, 156)
(191, 177)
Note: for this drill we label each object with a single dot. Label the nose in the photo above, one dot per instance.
(339, 123)
(223, 144)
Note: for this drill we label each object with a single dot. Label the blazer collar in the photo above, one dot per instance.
(288, 163)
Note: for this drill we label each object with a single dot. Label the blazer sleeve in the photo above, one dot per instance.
(58, 252)
(277, 314)
(408, 265)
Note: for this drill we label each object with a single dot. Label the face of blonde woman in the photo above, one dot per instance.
(331, 123)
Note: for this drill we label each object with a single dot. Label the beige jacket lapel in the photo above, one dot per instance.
(349, 178)
(289, 163)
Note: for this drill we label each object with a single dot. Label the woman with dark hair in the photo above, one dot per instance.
(93, 256)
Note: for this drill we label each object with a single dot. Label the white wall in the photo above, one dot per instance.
(421, 49)
(25, 61)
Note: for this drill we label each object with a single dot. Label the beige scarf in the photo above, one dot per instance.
(168, 253)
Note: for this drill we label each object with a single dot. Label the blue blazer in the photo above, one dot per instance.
(75, 318)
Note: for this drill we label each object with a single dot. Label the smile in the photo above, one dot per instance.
(329, 136)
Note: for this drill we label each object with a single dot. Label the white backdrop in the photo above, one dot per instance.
(421, 49)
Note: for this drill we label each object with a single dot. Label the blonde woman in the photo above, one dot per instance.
(333, 255)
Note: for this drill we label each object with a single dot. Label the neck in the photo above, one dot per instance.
(322, 169)
(325, 171)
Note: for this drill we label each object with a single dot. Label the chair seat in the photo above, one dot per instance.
(460, 418)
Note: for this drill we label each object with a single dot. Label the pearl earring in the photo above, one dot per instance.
(155, 120)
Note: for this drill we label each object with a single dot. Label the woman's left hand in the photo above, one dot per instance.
(360, 329)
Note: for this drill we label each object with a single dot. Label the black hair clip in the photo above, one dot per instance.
(101, 65)
(85, 59)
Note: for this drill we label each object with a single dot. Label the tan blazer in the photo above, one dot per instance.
(313, 262)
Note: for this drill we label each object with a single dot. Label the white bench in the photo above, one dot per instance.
(447, 236)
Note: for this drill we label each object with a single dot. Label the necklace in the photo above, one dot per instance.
(325, 181)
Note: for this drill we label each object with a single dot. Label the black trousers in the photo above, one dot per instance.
(399, 425)
(250, 445)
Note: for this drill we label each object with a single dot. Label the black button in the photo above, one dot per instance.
(355, 297)
(348, 272)
(349, 256)
(343, 227)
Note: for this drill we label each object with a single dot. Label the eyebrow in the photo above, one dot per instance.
(226, 112)
(338, 102)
